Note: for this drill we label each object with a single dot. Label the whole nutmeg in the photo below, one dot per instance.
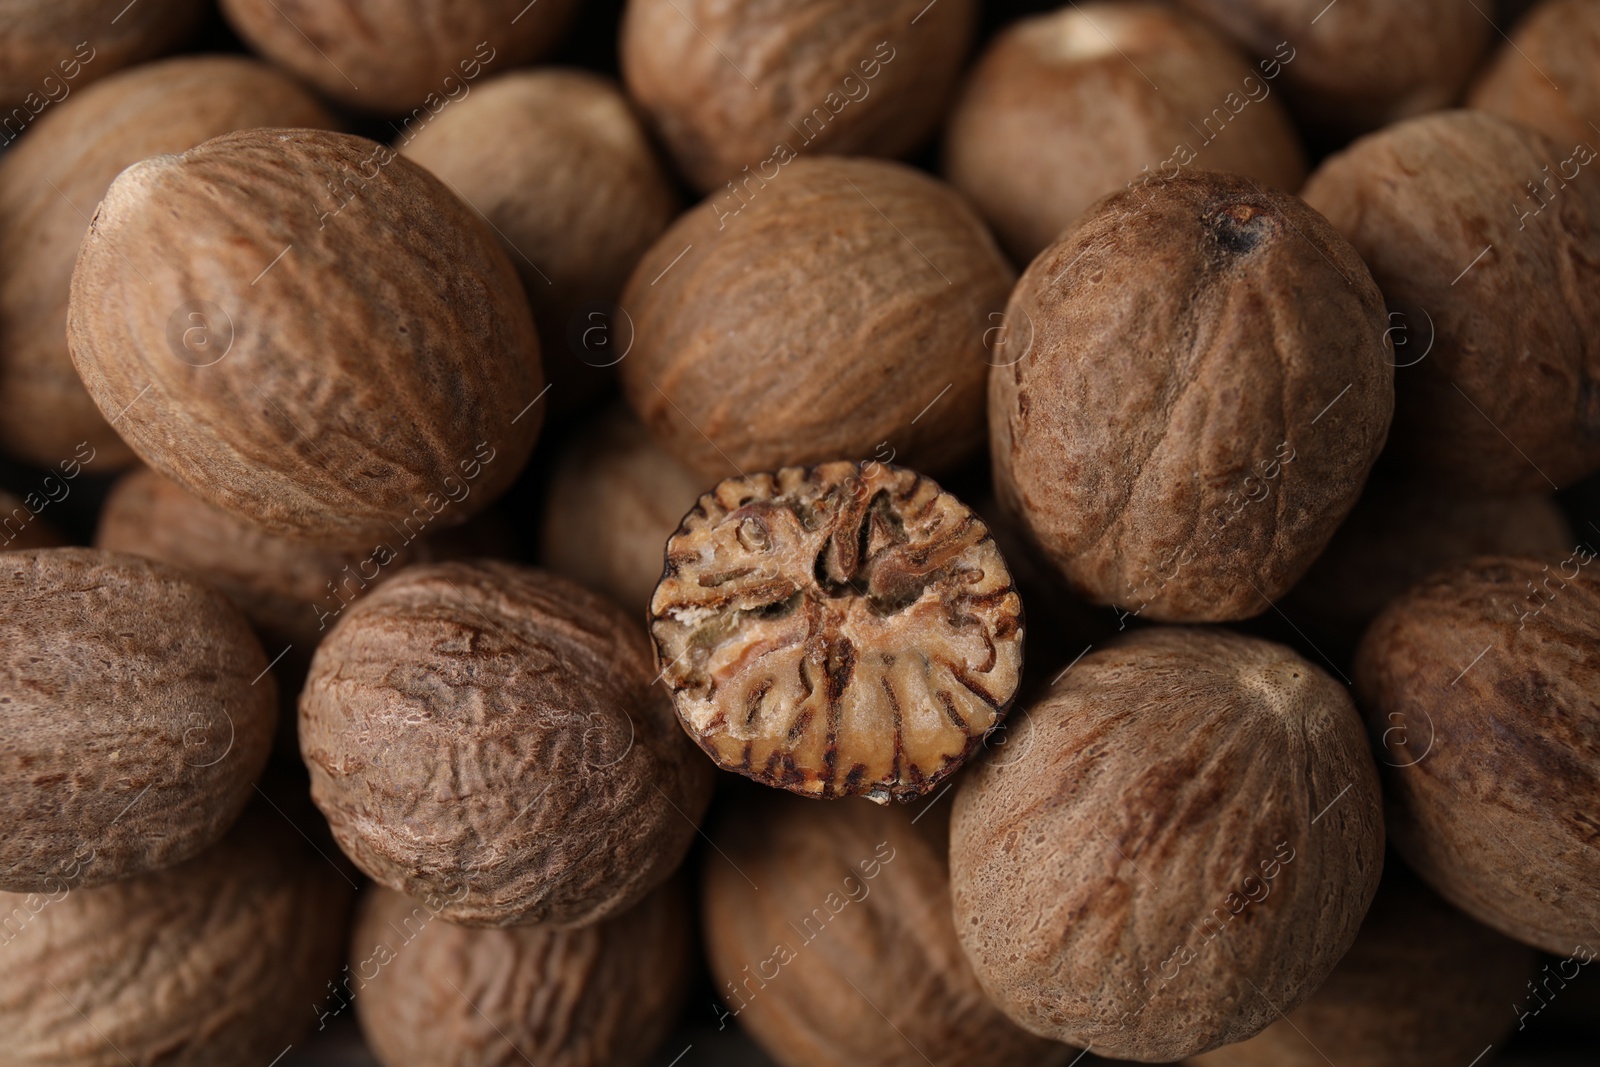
(614, 500)
(388, 56)
(1423, 986)
(451, 996)
(1065, 108)
(49, 185)
(1359, 64)
(837, 631)
(308, 332)
(559, 165)
(137, 713)
(21, 528)
(840, 312)
(52, 47)
(828, 933)
(1479, 689)
(738, 90)
(1203, 386)
(1545, 76)
(1495, 260)
(492, 736)
(1179, 844)
(212, 961)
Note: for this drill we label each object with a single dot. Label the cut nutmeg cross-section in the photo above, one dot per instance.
(845, 629)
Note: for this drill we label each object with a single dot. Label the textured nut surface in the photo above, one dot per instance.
(1362, 63)
(75, 42)
(492, 735)
(728, 84)
(1181, 842)
(614, 500)
(1544, 75)
(844, 308)
(840, 630)
(1481, 687)
(1065, 108)
(1423, 986)
(1508, 396)
(852, 916)
(214, 961)
(50, 183)
(450, 996)
(393, 391)
(1206, 385)
(21, 528)
(135, 714)
(388, 56)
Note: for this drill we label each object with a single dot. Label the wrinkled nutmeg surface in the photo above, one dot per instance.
(1201, 383)
(1544, 76)
(492, 735)
(1179, 843)
(451, 996)
(137, 713)
(399, 390)
(837, 630)
(1481, 687)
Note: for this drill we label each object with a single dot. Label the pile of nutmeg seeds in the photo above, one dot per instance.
(799, 533)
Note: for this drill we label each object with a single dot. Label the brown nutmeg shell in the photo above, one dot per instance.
(1544, 74)
(53, 47)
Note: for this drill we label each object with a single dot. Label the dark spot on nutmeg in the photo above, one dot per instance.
(1239, 228)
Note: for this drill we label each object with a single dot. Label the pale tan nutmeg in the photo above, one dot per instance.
(841, 311)
(432, 994)
(137, 714)
(739, 89)
(308, 332)
(1423, 986)
(21, 527)
(1546, 74)
(49, 185)
(828, 933)
(1179, 844)
(1480, 690)
(389, 56)
(1498, 283)
(52, 48)
(494, 736)
(1064, 108)
(219, 960)
(614, 500)
(1200, 383)
(1357, 65)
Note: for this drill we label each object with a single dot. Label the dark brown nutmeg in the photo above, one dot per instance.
(21, 527)
(1357, 65)
(52, 47)
(1179, 844)
(1200, 383)
(740, 89)
(1067, 107)
(137, 714)
(846, 954)
(309, 332)
(214, 961)
(843, 630)
(839, 311)
(49, 185)
(1423, 986)
(1491, 260)
(388, 56)
(1480, 690)
(1545, 75)
(442, 995)
(492, 736)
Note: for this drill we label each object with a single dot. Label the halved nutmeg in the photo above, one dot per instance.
(845, 629)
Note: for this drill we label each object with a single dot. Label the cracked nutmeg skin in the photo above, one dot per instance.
(605, 995)
(1507, 292)
(1544, 76)
(1204, 384)
(328, 366)
(219, 960)
(492, 735)
(137, 714)
(1481, 687)
(840, 630)
(1177, 788)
